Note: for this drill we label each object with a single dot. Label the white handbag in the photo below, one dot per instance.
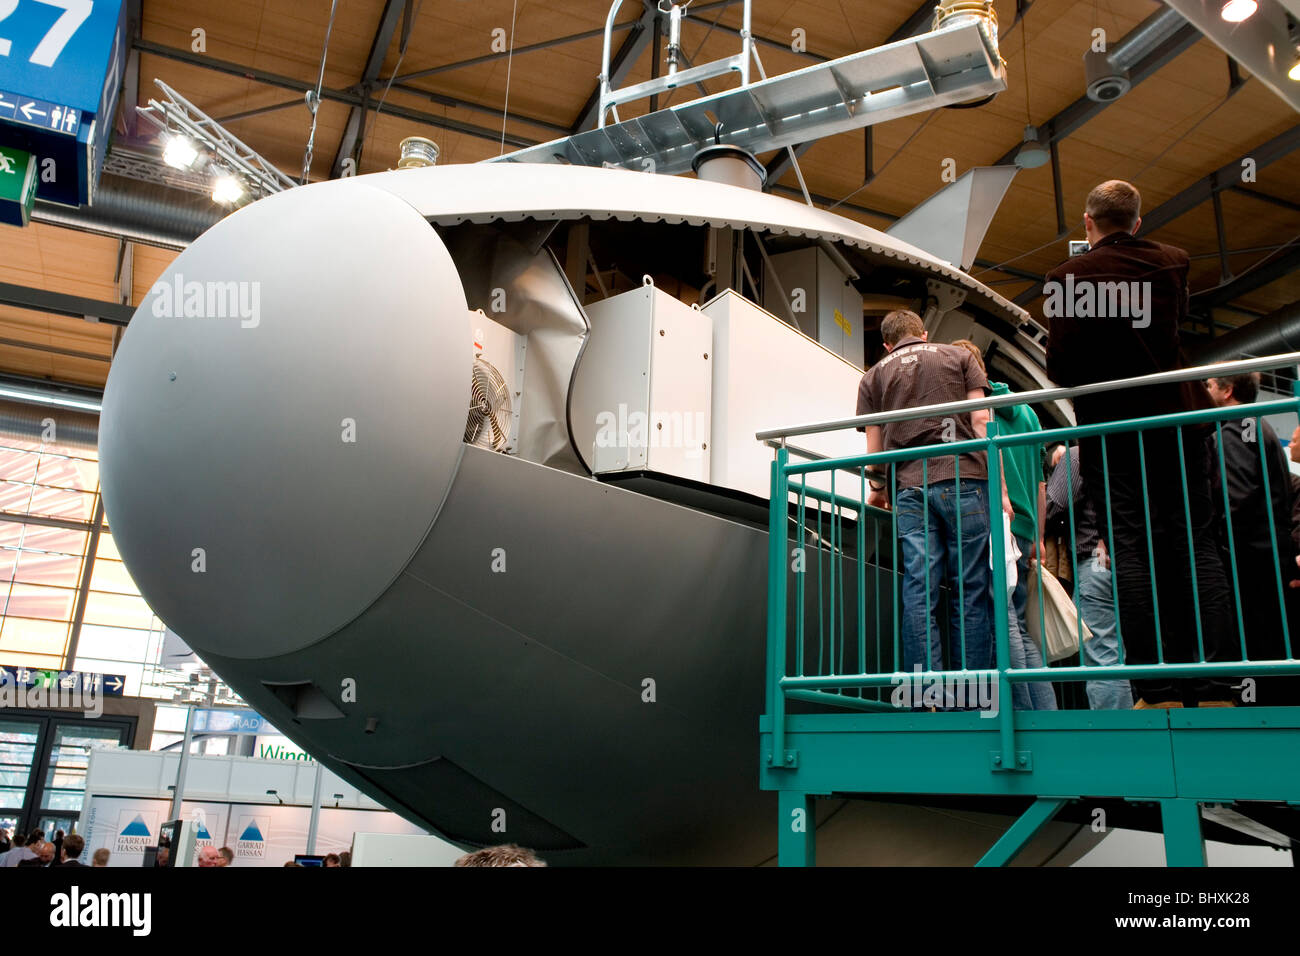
(1011, 551)
(1057, 629)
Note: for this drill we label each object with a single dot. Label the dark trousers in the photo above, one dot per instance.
(1173, 601)
(1261, 612)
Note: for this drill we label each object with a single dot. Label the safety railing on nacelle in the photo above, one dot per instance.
(842, 542)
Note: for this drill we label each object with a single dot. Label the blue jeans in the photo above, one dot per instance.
(1025, 651)
(1092, 593)
(927, 532)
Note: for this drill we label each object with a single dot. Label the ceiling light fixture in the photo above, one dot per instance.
(1033, 153)
(226, 189)
(1235, 11)
(180, 152)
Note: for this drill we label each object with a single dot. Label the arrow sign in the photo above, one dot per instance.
(85, 681)
(55, 117)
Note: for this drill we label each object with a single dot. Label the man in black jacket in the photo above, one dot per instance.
(1115, 312)
(71, 853)
(1260, 502)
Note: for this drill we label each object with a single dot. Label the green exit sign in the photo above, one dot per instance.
(17, 186)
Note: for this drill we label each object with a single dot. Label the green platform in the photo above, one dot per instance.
(1177, 758)
(830, 730)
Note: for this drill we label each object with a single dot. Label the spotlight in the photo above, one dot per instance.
(1235, 11)
(1294, 72)
(180, 152)
(1032, 152)
(226, 189)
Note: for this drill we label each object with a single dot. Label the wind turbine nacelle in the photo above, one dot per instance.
(284, 417)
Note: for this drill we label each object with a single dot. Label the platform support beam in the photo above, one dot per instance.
(1022, 831)
(1184, 845)
(797, 844)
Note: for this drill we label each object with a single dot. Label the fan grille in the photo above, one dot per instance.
(488, 422)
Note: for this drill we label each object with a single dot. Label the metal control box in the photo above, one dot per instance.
(642, 399)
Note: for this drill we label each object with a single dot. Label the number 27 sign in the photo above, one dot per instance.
(61, 65)
(58, 50)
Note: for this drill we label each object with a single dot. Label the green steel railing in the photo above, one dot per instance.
(834, 585)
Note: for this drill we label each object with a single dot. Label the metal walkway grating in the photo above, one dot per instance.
(952, 65)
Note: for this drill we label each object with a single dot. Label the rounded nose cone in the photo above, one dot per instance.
(284, 417)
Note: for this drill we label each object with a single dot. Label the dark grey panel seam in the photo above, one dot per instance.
(528, 637)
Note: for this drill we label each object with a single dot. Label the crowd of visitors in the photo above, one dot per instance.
(1211, 511)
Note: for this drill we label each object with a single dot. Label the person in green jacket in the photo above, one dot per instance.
(1022, 470)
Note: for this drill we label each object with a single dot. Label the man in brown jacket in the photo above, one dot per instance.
(1115, 312)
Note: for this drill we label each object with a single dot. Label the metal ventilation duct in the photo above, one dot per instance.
(26, 421)
(141, 212)
(1107, 70)
(1271, 334)
(1145, 37)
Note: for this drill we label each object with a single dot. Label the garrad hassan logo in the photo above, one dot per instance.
(179, 299)
(135, 831)
(252, 837)
(1089, 299)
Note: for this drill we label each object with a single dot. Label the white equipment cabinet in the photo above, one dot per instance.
(767, 374)
(642, 399)
(825, 305)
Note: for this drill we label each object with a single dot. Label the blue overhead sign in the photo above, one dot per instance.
(61, 64)
(111, 685)
(59, 49)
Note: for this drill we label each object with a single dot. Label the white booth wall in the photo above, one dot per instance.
(127, 799)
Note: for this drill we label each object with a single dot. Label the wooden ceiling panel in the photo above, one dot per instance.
(149, 264)
(53, 347)
(214, 93)
(58, 260)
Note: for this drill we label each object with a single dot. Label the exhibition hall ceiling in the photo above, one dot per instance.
(247, 63)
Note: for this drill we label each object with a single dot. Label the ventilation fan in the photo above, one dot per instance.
(488, 424)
